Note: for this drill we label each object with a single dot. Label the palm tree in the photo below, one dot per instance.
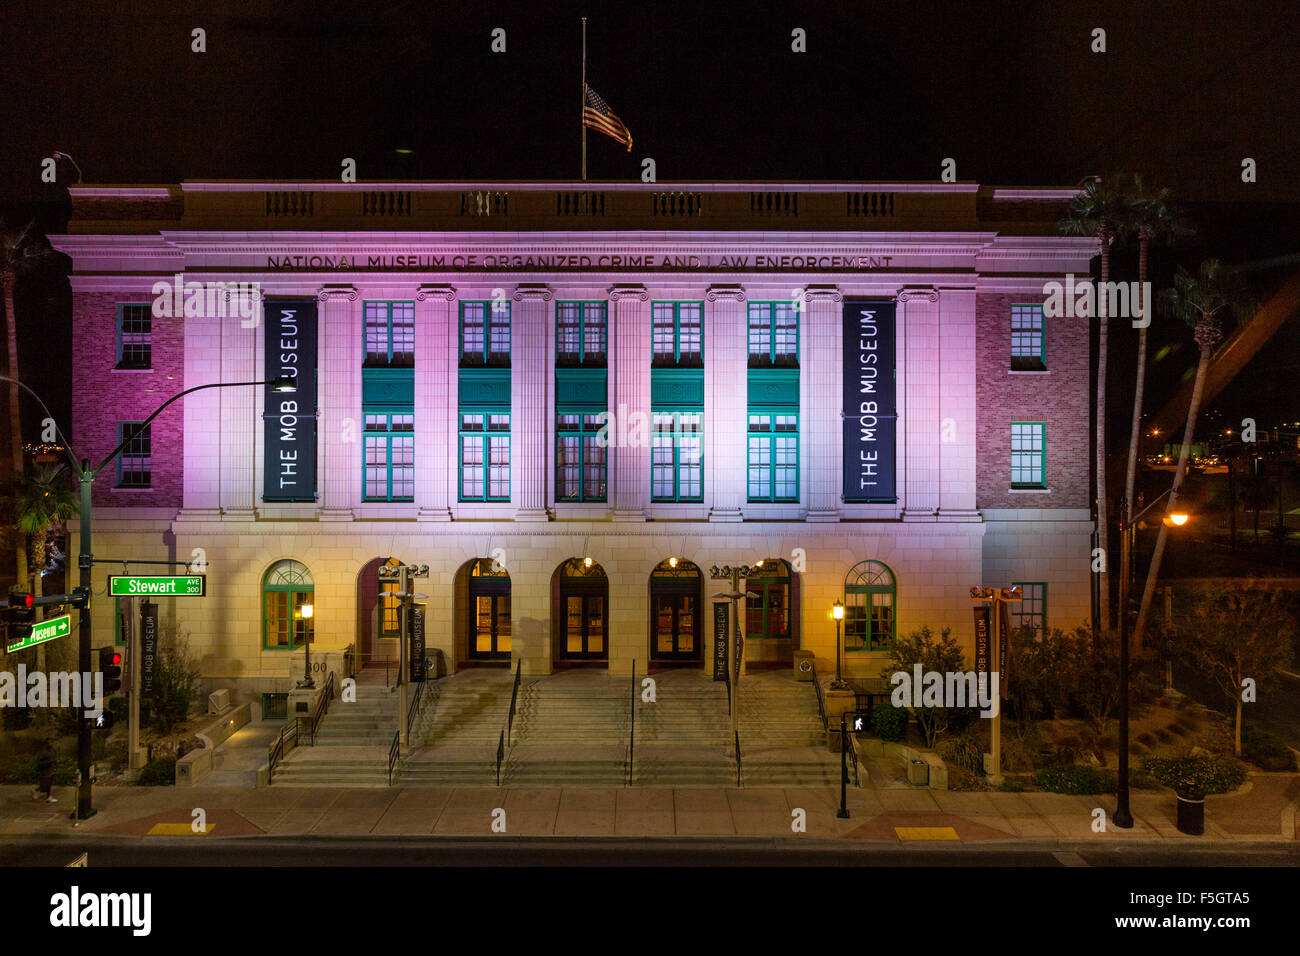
(44, 501)
(1099, 210)
(18, 253)
(1152, 219)
(1204, 302)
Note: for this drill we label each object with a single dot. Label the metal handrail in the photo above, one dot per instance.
(275, 752)
(414, 709)
(853, 754)
(501, 753)
(738, 760)
(514, 700)
(631, 722)
(821, 699)
(394, 751)
(322, 706)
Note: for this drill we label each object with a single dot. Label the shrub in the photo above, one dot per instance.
(159, 773)
(176, 682)
(889, 722)
(1019, 756)
(1010, 786)
(1075, 780)
(1192, 775)
(1267, 751)
(965, 751)
(942, 656)
(962, 780)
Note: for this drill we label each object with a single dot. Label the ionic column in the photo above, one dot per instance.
(238, 436)
(530, 402)
(726, 401)
(435, 399)
(338, 394)
(629, 338)
(957, 410)
(920, 325)
(821, 386)
(203, 445)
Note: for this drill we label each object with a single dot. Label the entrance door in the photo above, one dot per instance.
(675, 627)
(584, 626)
(489, 627)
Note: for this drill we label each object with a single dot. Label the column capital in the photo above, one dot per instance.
(631, 290)
(733, 293)
(337, 291)
(532, 291)
(435, 292)
(829, 292)
(928, 293)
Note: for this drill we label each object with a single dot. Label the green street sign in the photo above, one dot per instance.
(43, 631)
(158, 585)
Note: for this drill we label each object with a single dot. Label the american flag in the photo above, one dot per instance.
(597, 115)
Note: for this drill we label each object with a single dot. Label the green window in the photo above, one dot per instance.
(773, 335)
(134, 335)
(390, 334)
(390, 458)
(1031, 609)
(677, 456)
(773, 457)
(580, 458)
(581, 333)
(484, 456)
(1028, 347)
(767, 604)
(135, 462)
(870, 596)
(287, 590)
(1028, 455)
(677, 334)
(485, 334)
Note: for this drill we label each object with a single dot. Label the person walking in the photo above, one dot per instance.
(45, 773)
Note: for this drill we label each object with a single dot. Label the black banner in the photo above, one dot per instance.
(417, 643)
(870, 407)
(148, 647)
(983, 644)
(289, 467)
(721, 625)
(1004, 651)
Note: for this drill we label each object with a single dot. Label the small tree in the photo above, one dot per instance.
(1040, 675)
(1231, 634)
(942, 656)
(176, 681)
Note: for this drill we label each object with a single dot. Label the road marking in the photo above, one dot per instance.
(1069, 858)
(179, 829)
(926, 833)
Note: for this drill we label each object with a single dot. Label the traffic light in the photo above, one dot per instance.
(110, 665)
(22, 607)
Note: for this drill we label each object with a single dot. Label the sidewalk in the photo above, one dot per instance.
(1264, 811)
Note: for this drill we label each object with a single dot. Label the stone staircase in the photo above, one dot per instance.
(571, 729)
(683, 739)
(782, 742)
(454, 739)
(352, 741)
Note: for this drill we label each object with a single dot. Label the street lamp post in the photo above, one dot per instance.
(86, 558)
(305, 613)
(839, 683)
(1123, 816)
(733, 661)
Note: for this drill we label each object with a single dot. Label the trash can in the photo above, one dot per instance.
(1191, 812)
(918, 773)
(803, 665)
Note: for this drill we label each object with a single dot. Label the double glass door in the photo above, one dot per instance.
(585, 627)
(490, 627)
(676, 625)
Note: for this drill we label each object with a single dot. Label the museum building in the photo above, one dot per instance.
(570, 401)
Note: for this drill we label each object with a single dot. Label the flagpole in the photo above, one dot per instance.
(582, 116)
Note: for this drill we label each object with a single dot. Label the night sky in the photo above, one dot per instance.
(1012, 92)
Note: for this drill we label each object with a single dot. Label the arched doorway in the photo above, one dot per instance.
(488, 625)
(581, 613)
(377, 617)
(676, 594)
(288, 606)
(771, 614)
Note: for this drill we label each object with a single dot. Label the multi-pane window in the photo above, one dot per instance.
(678, 334)
(677, 456)
(773, 457)
(484, 457)
(135, 463)
(286, 591)
(134, 336)
(1028, 455)
(581, 333)
(869, 600)
(390, 334)
(1031, 609)
(579, 458)
(485, 334)
(389, 625)
(773, 335)
(1028, 352)
(390, 458)
(767, 601)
